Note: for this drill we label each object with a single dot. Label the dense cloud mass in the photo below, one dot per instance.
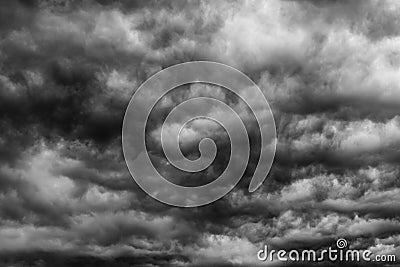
(329, 69)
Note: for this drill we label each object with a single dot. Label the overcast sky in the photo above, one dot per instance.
(329, 69)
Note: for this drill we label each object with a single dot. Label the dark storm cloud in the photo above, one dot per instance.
(68, 68)
(40, 258)
(56, 66)
(16, 14)
(22, 203)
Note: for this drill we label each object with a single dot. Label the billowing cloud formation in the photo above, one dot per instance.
(330, 70)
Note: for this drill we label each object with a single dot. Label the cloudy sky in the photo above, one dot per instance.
(329, 69)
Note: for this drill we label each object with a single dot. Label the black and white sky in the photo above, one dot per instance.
(329, 69)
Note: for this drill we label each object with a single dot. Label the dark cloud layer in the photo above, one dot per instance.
(330, 70)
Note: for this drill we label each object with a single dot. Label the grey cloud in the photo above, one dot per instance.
(68, 68)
